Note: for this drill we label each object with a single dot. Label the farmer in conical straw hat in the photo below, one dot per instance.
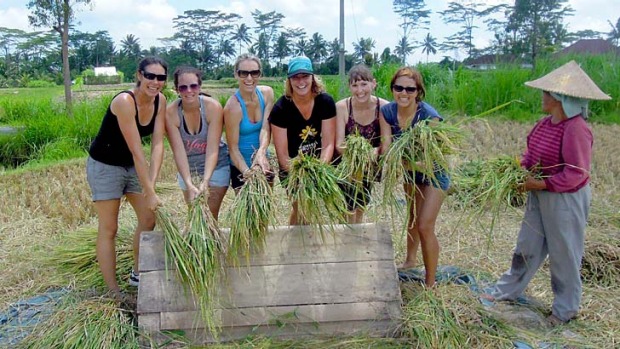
(559, 148)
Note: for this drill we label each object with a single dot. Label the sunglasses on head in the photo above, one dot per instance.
(185, 88)
(152, 76)
(409, 89)
(244, 73)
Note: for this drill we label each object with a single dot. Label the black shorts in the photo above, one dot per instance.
(356, 197)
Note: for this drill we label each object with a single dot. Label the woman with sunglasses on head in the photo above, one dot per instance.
(424, 197)
(359, 114)
(194, 127)
(247, 130)
(117, 165)
(303, 120)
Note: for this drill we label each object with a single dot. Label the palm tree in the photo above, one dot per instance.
(130, 46)
(261, 47)
(334, 49)
(226, 49)
(429, 45)
(301, 47)
(362, 48)
(614, 34)
(403, 49)
(282, 48)
(317, 48)
(242, 35)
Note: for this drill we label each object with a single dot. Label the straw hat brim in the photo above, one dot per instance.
(569, 80)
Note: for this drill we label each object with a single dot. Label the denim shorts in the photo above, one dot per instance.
(442, 179)
(219, 178)
(109, 182)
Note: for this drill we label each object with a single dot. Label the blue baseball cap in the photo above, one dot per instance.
(299, 65)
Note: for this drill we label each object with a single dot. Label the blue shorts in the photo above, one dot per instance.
(219, 178)
(442, 179)
(109, 182)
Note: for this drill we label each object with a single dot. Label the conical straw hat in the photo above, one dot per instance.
(569, 80)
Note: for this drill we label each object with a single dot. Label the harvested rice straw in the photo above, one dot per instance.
(75, 257)
(313, 184)
(357, 162)
(251, 213)
(91, 323)
(423, 148)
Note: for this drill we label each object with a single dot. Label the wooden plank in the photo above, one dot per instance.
(381, 328)
(315, 313)
(297, 244)
(150, 322)
(281, 285)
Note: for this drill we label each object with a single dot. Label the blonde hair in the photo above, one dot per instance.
(317, 87)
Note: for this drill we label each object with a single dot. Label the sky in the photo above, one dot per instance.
(152, 19)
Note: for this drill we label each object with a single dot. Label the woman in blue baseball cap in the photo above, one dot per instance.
(303, 120)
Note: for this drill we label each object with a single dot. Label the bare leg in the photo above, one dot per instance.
(294, 219)
(429, 200)
(413, 238)
(146, 222)
(107, 212)
(216, 196)
(356, 216)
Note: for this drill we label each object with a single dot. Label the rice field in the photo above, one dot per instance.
(46, 209)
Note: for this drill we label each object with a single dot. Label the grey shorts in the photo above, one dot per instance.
(109, 182)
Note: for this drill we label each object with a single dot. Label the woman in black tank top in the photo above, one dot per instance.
(118, 167)
(359, 113)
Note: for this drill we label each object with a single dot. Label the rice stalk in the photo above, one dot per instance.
(357, 164)
(313, 184)
(251, 213)
(75, 258)
(90, 323)
(423, 148)
(601, 262)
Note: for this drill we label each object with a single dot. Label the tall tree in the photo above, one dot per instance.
(242, 35)
(429, 45)
(57, 14)
(268, 26)
(362, 49)
(282, 48)
(533, 26)
(318, 48)
(465, 15)
(414, 15)
(614, 34)
(403, 49)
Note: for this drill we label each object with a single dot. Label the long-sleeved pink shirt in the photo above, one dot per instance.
(562, 151)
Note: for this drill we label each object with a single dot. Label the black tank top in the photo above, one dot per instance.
(109, 146)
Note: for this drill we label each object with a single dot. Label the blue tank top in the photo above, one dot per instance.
(249, 132)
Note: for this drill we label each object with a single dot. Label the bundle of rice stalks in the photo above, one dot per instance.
(601, 263)
(75, 257)
(357, 163)
(491, 186)
(423, 148)
(91, 323)
(198, 257)
(313, 184)
(251, 213)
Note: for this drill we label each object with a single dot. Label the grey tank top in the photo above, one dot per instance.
(196, 144)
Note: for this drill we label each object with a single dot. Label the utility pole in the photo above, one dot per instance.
(341, 53)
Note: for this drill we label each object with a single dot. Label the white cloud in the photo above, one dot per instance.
(15, 18)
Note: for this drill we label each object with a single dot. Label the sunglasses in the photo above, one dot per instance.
(151, 76)
(185, 88)
(409, 89)
(244, 73)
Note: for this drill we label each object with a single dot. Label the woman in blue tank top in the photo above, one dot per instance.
(194, 127)
(247, 130)
(405, 111)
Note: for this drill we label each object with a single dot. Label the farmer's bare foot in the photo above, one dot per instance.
(554, 321)
(487, 297)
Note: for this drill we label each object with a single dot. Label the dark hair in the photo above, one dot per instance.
(360, 72)
(415, 75)
(185, 69)
(247, 57)
(146, 61)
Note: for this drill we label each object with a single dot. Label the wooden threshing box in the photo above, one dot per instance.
(300, 285)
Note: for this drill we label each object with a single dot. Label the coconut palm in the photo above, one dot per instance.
(317, 48)
(130, 46)
(242, 35)
(403, 49)
(363, 48)
(429, 45)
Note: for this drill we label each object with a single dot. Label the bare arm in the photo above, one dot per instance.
(176, 144)
(157, 140)
(281, 143)
(386, 134)
(265, 132)
(123, 107)
(328, 139)
(341, 122)
(232, 119)
(215, 120)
